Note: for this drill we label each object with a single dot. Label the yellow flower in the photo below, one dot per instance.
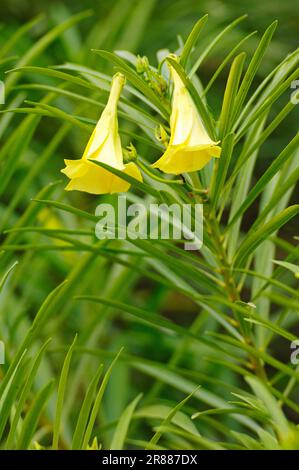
(190, 148)
(104, 146)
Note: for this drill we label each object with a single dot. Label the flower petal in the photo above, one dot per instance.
(96, 180)
(180, 159)
(104, 146)
(190, 147)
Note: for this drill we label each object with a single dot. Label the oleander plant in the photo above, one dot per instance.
(139, 343)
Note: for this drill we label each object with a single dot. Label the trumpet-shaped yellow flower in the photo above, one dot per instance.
(104, 146)
(190, 148)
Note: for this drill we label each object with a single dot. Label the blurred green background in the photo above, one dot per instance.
(170, 17)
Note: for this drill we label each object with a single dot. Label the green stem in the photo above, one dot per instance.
(226, 272)
(155, 177)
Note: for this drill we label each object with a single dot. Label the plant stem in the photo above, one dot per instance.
(226, 271)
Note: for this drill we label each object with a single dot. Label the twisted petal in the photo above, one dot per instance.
(92, 179)
(190, 148)
(104, 146)
(180, 159)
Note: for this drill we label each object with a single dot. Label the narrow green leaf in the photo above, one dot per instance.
(251, 242)
(191, 40)
(226, 60)
(33, 416)
(11, 390)
(135, 183)
(122, 427)
(290, 266)
(265, 178)
(4, 278)
(253, 67)
(40, 45)
(61, 393)
(158, 434)
(38, 321)
(85, 410)
(97, 403)
(17, 35)
(220, 170)
(231, 89)
(24, 395)
(144, 316)
(270, 403)
(214, 42)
